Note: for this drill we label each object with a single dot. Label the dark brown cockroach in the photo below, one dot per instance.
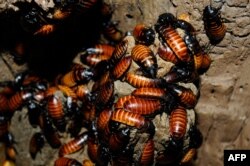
(111, 32)
(56, 112)
(186, 26)
(139, 81)
(192, 44)
(188, 156)
(19, 52)
(67, 162)
(104, 95)
(143, 106)
(169, 35)
(105, 77)
(74, 145)
(36, 144)
(89, 113)
(147, 156)
(121, 67)
(151, 93)
(196, 137)
(3, 103)
(213, 24)
(119, 140)
(167, 54)
(178, 123)
(144, 34)
(92, 149)
(50, 133)
(180, 73)
(119, 52)
(18, 99)
(34, 112)
(46, 29)
(121, 100)
(76, 76)
(129, 118)
(125, 157)
(145, 58)
(185, 96)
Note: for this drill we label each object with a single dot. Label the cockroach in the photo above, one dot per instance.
(129, 118)
(18, 99)
(50, 133)
(213, 24)
(111, 32)
(36, 144)
(119, 52)
(87, 163)
(82, 92)
(121, 100)
(185, 96)
(56, 112)
(147, 156)
(77, 76)
(143, 106)
(178, 123)
(167, 54)
(67, 162)
(145, 58)
(121, 67)
(104, 95)
(169, 35)
(119, 140)
(10, 152)
(92, 149)
(74, 145)
(188, 156)
(139, 81)
(144, 34)
(150, 93)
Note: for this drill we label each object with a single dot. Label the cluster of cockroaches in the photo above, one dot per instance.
(119, 130)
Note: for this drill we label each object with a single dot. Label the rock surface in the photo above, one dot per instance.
(223, 107)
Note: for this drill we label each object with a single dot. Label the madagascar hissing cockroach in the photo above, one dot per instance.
(143, 106)
(74, 145)
(145, 58)
(178, 123)
(213, 24)
(36, 144)
(144, 34)
(139, 81)
(67, 162)
(121, 67)
(147, 156)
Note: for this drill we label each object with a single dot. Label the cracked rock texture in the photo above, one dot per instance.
(223, 107)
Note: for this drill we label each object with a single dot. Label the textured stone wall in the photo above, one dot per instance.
(223, 107)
